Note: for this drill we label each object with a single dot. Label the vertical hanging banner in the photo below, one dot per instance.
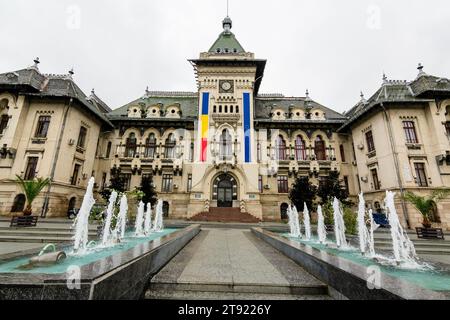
(247, 128)
(204, 126)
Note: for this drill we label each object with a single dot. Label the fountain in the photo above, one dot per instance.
(373, 227)
(158, 225)
(321, 229)
(82, 220)
(139, 225)
(404, 251)
(121, 224)
(294, 224)
(307, 223)
(339, 225)
(148, 219)
(366, 241)
(109, 215)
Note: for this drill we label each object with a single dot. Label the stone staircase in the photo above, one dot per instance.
(235, 291)
(225, 215)
(48, 230)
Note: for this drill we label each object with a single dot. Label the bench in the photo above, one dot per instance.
(430, 233)
(24, 221)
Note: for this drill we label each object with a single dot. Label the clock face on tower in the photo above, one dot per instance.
(226, 86)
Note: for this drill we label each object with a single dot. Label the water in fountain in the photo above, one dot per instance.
(307, 222)
(109, 216)
(404, 251)
(139, 225)
(365, 240)
(321, 229)
(373, 227)
(148, 219)
(81, 222)
(339, 225)
(158, 225)
(294, 224)
(121, 224)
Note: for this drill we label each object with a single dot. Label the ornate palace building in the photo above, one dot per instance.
(225, 145)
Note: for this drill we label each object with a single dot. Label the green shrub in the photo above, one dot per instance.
(350, 220)
(327, 210)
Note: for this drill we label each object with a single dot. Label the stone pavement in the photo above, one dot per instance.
(230, 263)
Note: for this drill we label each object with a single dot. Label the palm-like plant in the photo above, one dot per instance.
(425, 205)
(31, 188)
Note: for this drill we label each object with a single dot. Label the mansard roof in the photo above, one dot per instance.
(32, 82)
(188, 102)
(420, 90)
(265, 103)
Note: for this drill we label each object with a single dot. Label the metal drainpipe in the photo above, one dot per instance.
(55, 160)
(397, 169)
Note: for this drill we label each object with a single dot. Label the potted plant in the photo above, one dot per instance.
(31, 188)
(425, 205)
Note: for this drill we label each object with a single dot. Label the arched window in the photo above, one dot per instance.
(231, 109)
(226, 109)
(237, 109)
(225, 151)
(300, 148)
(130, 148)
(319, 149)
(220, 109)
(170, 147)
(108, 149)
(150, 146)
(280, 148)
(283, 211)
(72, 203)
(166, 208)
(215, 109)
(19, 203)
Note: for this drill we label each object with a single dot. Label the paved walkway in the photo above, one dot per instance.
(234, 261)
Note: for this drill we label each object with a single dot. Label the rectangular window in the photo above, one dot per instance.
(342, 151)
(3, 123)
(258, 153)
(82, 137)
(42, 127)
(126, 180)
(359, 183)
(370, 143)
(167, 183)
(260, 184)
(347, 186)
(76, 172)
(283, 186)
(189, 184)
(103, 180)
(421, 176)
(191, 153)
(376, 182)
(410, 132)
(447, 128)
(30, 171)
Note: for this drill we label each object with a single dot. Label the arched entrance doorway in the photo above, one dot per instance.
(19, 203)
(225, 190)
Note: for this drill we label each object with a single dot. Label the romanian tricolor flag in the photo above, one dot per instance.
(204, 126)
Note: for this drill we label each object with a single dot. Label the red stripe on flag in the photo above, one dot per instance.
(204, 150)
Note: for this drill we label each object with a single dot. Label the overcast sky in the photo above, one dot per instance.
(333, 48)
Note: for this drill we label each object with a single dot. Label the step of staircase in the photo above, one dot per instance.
(225, 215)
(207, 295)
(229, 291)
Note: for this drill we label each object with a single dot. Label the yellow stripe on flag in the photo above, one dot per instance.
(205, 126)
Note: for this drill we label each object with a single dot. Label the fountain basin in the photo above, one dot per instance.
(353, 276)
(115, 273)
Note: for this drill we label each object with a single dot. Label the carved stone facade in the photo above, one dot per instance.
(226, 144)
